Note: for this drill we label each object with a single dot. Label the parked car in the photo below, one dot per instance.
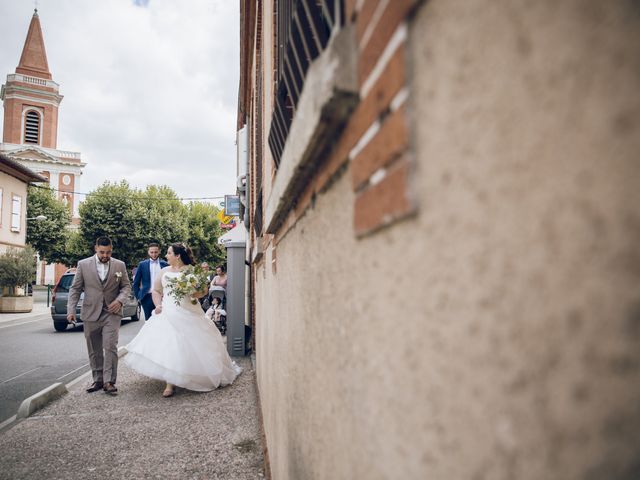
(131, 308)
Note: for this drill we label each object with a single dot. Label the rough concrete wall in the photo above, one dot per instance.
(496, 335)
(528, 126)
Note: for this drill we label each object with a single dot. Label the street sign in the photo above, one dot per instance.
(224, 219)
(232, 205)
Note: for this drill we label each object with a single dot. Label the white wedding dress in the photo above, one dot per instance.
(181, 346)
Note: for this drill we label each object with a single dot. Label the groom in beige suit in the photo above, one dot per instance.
(106, 287)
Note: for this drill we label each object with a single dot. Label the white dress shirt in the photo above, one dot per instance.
(103, 268)
(154, 270)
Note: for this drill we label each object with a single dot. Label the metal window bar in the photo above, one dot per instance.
(299, 57)
(259, 116)
(305, 26)
(303, 30)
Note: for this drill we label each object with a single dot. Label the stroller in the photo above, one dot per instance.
(209, 306)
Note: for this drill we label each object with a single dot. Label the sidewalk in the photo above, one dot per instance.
(38, 309)
(139, 434)
(39, 306)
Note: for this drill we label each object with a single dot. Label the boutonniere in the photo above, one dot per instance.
(118, 275)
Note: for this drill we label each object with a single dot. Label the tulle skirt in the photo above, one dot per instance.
(183, 347)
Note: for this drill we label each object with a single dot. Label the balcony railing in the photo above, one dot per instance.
(18, 77)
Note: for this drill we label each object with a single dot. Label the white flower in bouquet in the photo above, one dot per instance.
(190, 281)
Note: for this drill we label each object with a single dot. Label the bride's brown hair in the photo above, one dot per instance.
(186, 255)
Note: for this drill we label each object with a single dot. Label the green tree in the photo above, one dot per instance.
(132, 218)
(204, 231)
(17, 268)
(159, 216)
(107, 212)
(47, 236)
(76, 248)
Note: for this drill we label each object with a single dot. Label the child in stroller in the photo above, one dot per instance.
(218, 315)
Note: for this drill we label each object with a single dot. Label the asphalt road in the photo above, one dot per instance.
(33, 356)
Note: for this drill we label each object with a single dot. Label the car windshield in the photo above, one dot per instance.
(65, 283)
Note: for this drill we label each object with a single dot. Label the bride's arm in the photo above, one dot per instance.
(156, 293)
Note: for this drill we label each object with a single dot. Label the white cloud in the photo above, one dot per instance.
(150, 93)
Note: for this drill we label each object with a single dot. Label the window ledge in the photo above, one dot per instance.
(329, 96)
(257, 252)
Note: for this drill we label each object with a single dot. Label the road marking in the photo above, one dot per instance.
(18, 376)
(8, 421)
(72, 371)
(23, 323)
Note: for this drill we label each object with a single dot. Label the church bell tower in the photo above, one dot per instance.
(31, 97)
(31, 100)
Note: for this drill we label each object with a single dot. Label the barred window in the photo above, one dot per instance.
(32, 127)
(302, 32)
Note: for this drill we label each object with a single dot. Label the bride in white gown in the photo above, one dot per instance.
(179, 344)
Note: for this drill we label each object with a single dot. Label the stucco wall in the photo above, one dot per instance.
(495, 335)
(11, 185)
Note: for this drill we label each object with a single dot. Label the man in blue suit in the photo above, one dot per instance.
(148, 270)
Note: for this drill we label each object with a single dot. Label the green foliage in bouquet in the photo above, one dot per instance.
(191, 280)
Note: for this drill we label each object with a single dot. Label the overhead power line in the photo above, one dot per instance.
(108, 195)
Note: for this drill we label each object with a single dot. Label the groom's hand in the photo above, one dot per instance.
(114, 307)
(71, 318)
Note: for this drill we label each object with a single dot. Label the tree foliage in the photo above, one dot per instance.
(76, 248)
(47, 236)
(107, 212)
(159, 216)
(17, 268)
(133, 218)
(204, 231)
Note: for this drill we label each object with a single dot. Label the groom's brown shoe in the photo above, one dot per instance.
(110, 388)
(95, 386)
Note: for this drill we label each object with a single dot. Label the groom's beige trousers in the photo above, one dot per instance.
(102, 335)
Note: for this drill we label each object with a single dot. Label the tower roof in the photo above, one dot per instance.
(33, 60)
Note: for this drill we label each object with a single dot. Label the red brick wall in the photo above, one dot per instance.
(381, 169)
(376, 140)
(12, 129)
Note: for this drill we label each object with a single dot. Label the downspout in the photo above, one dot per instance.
(244, 192)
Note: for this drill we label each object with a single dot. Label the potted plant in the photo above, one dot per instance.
(17, 267)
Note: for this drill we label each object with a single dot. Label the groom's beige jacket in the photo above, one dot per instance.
(98, 294)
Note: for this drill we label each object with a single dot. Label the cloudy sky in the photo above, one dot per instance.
(150, 87)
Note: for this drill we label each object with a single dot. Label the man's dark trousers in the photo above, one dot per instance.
(147, 306)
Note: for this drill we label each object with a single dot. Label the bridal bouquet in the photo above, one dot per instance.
(192, 279)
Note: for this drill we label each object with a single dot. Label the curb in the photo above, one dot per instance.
(40, 399)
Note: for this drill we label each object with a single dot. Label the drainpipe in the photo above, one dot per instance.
(243, 190)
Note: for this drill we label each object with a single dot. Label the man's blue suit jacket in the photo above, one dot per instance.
(142, 278)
